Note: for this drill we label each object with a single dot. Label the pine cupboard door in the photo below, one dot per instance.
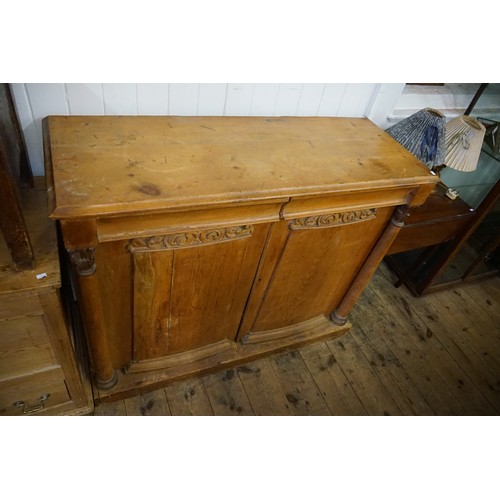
(307, 267)
(190, 291)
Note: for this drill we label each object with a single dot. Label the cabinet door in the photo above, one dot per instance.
(190, 290)
(307, 268)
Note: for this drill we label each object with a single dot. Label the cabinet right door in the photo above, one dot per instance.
(307, 267)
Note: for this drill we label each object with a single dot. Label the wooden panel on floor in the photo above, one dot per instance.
(188, 397)
(368, 387)
(473, 319)
(457, 381)
(471, 346)
(263, 389)
(386, 333)
(331, 381)
(298, 385)
(483, 294)
(226, 394)
(152, 403)
(386, 365)
(113, 409)
(463, 346)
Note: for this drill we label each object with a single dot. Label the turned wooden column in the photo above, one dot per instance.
(80, 239)
(84, 264)
(339, 316)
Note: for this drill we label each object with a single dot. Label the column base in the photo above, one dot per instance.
(338, 320)
(107, 384)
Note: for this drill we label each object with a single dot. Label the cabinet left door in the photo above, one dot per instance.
(189, 291)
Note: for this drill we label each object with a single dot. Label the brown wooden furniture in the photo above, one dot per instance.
(40, 370)
(438, 220)
(455, 261)
(14, 174)
(202, 242)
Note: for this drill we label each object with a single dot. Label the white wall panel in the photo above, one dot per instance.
(47, 99)
(264, 99)
(356, 98)
(120, 98)
(211, 99)
(85, 98)
(332, 97)
(310, 99)
(35, 101)
(152, 98)
(183, 99)
(287, 100)
(32, 136)
(384, 100)
(239, 99)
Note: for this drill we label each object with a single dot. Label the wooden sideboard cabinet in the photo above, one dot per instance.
(202, 242)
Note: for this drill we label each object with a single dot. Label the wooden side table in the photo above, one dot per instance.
(430, 269)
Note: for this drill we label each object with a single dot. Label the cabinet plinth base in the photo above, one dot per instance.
(133, 383)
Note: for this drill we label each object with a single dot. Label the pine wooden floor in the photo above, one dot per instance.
(432, 355)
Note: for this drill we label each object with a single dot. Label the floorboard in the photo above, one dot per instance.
(405, 355)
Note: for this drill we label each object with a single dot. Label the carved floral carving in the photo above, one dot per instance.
(333, 219)
(83, 260)
(189, 239)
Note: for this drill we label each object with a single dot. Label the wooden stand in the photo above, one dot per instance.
(202, 242)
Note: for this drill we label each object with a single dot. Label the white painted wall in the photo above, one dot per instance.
(34, 101)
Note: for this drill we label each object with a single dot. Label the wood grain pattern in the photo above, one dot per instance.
(226, 394)
(152, 295)
(178, 161)
(25, 343)
(388, 332)
(153, 403)
(375, 397)
(334, 254)
(263, 389)
(299, 387)
(453, 376)
(188, 398)
(209, 295)
(335, 387)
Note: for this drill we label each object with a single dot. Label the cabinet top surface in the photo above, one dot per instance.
(99, 165)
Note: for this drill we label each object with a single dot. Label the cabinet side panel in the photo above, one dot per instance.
(315, 270)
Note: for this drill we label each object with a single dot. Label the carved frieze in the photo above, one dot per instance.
(189, 239)
(335, 219)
